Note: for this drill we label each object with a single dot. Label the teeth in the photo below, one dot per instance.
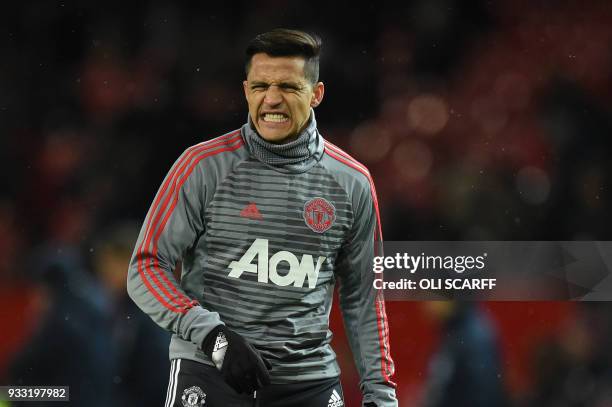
(275, 117)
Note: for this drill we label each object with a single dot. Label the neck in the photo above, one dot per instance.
(293, 154)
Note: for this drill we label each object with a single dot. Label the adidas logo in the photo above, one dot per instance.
(251, 212)
(335, 400)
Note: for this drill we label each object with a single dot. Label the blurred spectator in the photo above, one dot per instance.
(465, 370)
(141, 369)
(574, 369)
(71, 345)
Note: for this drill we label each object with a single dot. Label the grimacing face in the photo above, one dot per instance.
(279, 96)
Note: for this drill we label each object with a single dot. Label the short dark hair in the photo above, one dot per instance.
(282, 42)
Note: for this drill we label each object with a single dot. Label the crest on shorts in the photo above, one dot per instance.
(319, 214)
(193, 397)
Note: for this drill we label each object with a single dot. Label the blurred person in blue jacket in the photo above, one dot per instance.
(140, 373)
(465, 370)
(70, 345)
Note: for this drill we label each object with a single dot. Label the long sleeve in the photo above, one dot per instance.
(362, 306)
(173, 224)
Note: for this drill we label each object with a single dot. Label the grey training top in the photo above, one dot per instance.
(264, 232)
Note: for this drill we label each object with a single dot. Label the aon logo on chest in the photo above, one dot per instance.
(266, 267)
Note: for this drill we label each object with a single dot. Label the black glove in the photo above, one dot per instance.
(370, 404)
(241, 365)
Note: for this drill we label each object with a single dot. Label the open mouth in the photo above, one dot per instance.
(275, 117)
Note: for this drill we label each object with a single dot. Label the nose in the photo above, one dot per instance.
(273, 96)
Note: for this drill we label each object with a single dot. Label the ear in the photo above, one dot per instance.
(245, 85)
(317, 94)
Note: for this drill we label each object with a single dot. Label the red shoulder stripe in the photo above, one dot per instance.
(343, 157)
(194, 155)
(204, 151)
(381, 317)
(155, 215)
(173, 206)
(178, 298)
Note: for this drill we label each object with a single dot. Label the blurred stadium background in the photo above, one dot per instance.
(479, 120)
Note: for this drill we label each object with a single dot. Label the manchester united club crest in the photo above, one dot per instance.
(193, 397)
(319, 214)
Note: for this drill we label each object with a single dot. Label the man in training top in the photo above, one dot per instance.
(266, 219)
